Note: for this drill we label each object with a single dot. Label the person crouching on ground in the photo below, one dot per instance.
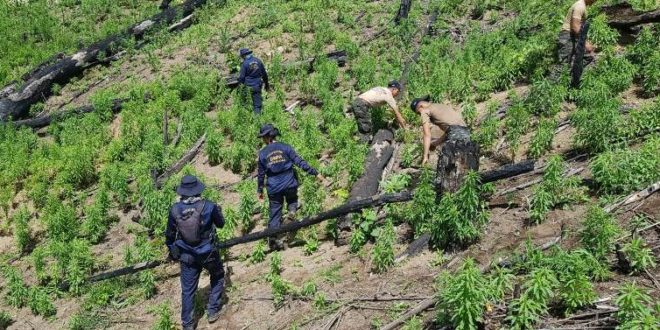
(449, 121)
(275, 162)
(375, 97)
(190, 238)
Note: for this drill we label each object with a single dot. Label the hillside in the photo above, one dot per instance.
(561, 246)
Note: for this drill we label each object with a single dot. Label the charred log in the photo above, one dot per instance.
(404, 10)
(38, 84)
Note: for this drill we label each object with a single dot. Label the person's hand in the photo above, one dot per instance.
(174, 254)
(589, 47)
(260, 196)
(425, 160)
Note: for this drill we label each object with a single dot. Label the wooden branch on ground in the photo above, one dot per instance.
(185, 159)
(422, 306)
(623, 16)
(346, 208)
(535, 181)
(507, 171)
(349, 299)
(46, 120)
(634, 197)
(38, 84)
(367, 185)
(177, 135)
(166, 133)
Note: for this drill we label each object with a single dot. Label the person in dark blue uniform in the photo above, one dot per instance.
(190, 237)
(253, 75)
(276, 161)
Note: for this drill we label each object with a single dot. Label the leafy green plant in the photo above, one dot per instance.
(487, 132)
(5, 320)
(363, 231)
(383, 252)
(460, 216)
(640, 257)
(259, 253)
(554, 190)
(600, 33)
(40, 303)
(634, 311)
(623, 171)
(542, 140)
(576, 292)
(533, 303)
(17, 292)
(462, 297)
(21, 228)
(598, 233)
(164, 319)
(516, 125)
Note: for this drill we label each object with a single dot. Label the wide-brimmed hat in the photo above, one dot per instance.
(244, 52)
(415, 102)
(268, 130)
(190, 186)
(394, 84)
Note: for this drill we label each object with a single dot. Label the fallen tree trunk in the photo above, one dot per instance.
(44, 121)
(367, 185)
(38, 84)
(350, 207)
(507, 171)
(637, 196)
(185, 159)
(340, 56)
(623, 16)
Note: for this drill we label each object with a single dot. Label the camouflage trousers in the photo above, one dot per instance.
(362, 113)
(565, 48)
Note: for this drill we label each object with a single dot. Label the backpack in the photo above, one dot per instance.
(189, 224)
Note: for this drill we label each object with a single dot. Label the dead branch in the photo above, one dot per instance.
(185, 159)
(623, 16)
(635, 197)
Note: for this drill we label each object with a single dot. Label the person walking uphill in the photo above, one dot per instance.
(190, 238)
(275, 162)
(375, 97)
(570, 32)
(253, 75)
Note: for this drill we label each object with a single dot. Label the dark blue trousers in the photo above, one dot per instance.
(256, 100)
(276, 203)
(191, 268)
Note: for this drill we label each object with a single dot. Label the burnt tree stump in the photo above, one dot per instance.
(404, 10)
(455, 159)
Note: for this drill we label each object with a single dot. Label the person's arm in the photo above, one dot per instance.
(265, 76)
(300, 162)
(426, 141)
(261, 175)
(399, 118)
(216, 216)
(170, 236)
(241, 74)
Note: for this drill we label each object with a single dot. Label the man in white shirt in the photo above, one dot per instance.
(375, 97)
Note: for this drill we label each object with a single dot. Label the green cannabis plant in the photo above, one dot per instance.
(599, 232)
(641, 258)
(462, 297)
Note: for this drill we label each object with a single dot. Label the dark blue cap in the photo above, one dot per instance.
(268, 130)
(245, 51)
(394, 84)
(415, 102)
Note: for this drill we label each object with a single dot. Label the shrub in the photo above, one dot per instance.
(641, 258)
(21, 228)
(626, 170)
(17, 292)
(164, 319)
(533, 303)
(259, 253)
(5, 320)
(462, 297)
(40, 303)
(554, 190)
(383, 252)
(460, 216)
(542, 140)
(598, 233)
(634, 311)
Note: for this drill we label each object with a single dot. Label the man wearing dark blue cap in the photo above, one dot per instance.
(253, 75)
(276, 161)
(190, 238)
(375, 97)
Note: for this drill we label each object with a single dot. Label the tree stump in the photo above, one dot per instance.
(404, 10)
(455, 159)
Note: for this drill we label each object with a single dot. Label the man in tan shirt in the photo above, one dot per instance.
(570, 31)
(450, 123)
(375, 97)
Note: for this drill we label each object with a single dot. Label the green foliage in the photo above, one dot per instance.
(5, 320)
(597, 125)
(516, 125)
(542, 139)
(533, 303)
(546, 96)
(554, 190)
(97, 220)
(599, 232)
(646, 55)
(364, 229)
(601, 34)
(501, 282)
(641, 258)
(462, 297)
(383, 252)
(576, 292)
(634, 309)
(21, 229)
(487, 132)
(214, 142)
(460, 216)
(164, 319)
(423, 206)
(626, 170)
(259, 253)
(17, 293)
(40, 302)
